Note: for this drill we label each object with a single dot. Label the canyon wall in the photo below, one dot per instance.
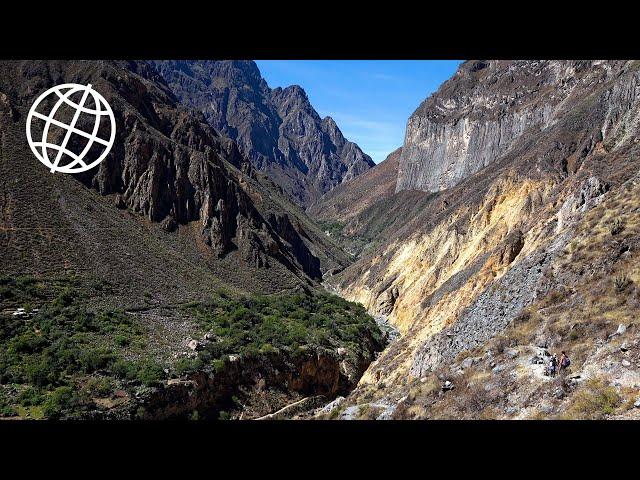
(277, 129)
(477, 115)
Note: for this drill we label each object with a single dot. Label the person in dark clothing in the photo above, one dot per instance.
(564, 361)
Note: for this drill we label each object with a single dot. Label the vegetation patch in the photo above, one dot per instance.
(64, 358)
(58, 358)
(267, 324)
(593, 401)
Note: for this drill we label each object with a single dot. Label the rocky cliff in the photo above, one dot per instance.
(277, 129)
(169, 167)
(494, 261)
(479, 114)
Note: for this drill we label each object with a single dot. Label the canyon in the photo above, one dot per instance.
(505, 229)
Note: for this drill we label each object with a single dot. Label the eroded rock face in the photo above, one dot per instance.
(167, 163)
(590, 194)
(256, 381)
(477, 115)
(491, 311)
(277, 129)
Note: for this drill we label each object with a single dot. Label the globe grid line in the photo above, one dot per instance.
(40, 149)
(82, 133)
(82, 108)
(67, 136)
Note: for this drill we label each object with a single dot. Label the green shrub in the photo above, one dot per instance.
(99, 386)
(616, 226)
(61, 399)
(124, 369)
(93, 359)
(185, 366)
(149, 373)
(30, 397)
(620, 282)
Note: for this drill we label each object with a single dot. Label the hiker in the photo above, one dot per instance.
(552, 367)
(564, 361)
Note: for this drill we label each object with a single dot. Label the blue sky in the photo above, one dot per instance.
(370, 100)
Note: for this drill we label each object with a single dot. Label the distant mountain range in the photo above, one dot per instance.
(277, 129)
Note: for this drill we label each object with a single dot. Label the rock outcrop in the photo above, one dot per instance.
(277, 129)
(477, 115)
(172, 168)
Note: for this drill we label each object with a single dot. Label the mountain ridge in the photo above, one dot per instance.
(171, 168)
(277, 129)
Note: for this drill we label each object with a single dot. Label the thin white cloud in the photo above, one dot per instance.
(376, 138)
(350, 121)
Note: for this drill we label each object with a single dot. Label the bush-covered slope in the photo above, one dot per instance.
(64, 357)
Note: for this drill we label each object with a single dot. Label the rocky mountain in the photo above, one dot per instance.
(277, 129)
(513, 235)
(169, 166)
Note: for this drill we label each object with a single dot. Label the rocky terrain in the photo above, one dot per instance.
(350, 199)
(478, 115)
(277, 129)
(504, 243)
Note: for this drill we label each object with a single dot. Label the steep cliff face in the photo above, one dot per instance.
(458, 269)
(167, 165)
(277, 129)
(479, 114)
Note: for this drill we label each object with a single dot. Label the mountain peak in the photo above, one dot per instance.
(277, 129)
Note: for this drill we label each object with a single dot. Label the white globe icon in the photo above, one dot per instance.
(64, 144)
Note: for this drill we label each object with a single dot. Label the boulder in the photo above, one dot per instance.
(329, 407)
(511, 353)
(498, 368)
(469, 362)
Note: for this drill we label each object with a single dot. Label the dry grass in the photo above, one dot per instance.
(594, 400)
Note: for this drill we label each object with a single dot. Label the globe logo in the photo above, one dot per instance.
(75, 127)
